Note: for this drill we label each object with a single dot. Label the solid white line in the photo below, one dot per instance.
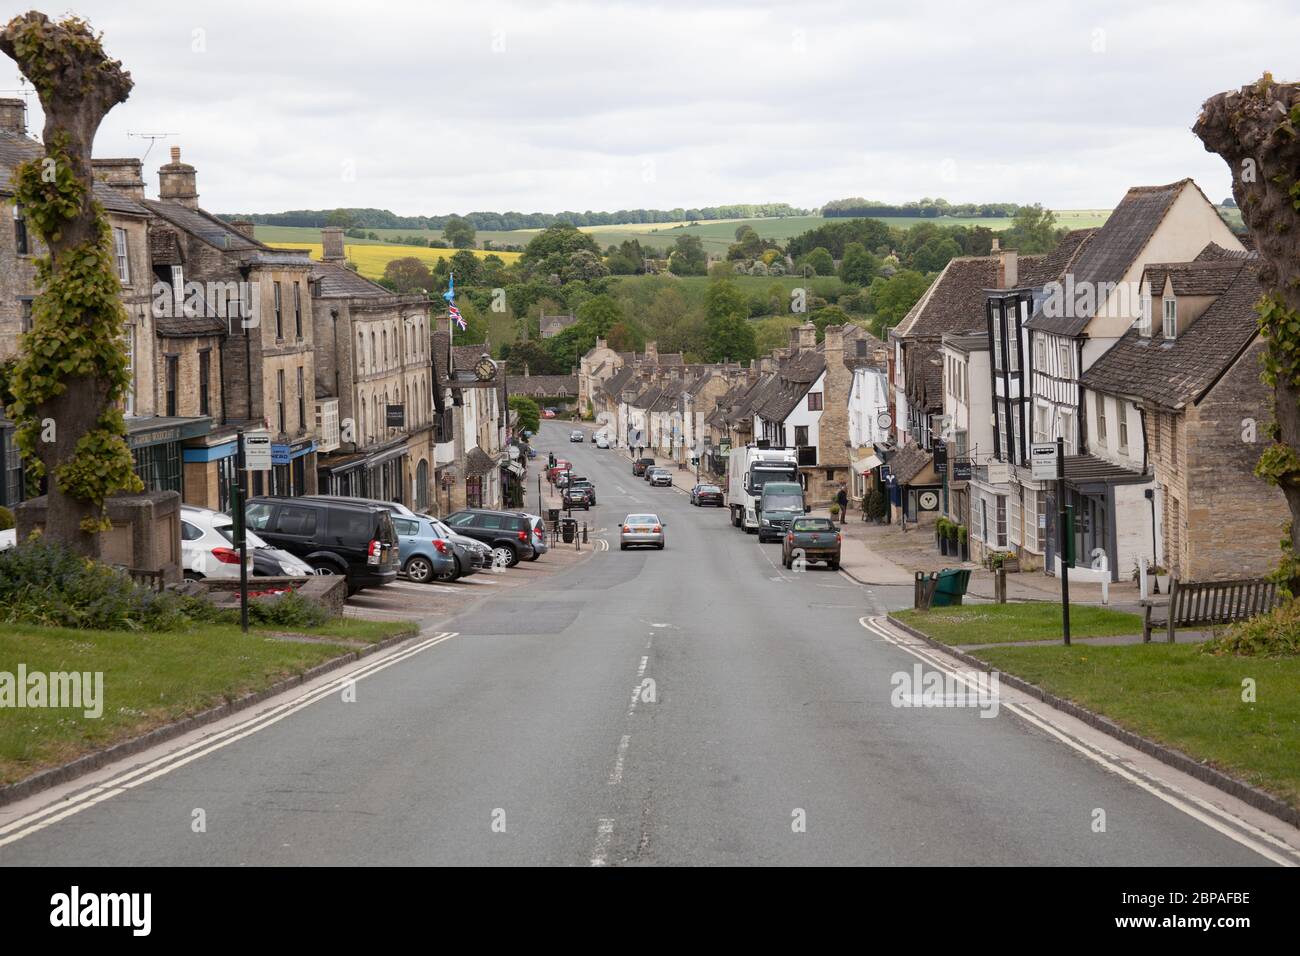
(160, 766)
(640, 671)
(616, 775)
(604, 834)
(1181, 801)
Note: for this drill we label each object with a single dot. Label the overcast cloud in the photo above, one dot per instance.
(437, 107)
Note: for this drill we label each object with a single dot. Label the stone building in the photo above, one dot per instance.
(267, 361)
(374, 384)
(471, 397)
(1194, 378)
(161, 421)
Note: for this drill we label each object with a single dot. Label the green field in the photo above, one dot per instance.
(716, 235)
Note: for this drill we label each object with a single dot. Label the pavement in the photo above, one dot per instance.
(693, 706)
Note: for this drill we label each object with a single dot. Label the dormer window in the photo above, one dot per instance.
(1171, 318)
(1144, 320)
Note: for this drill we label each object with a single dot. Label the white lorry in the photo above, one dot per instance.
(748, 469)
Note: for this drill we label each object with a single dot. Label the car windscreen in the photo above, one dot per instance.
(783, 502)
(812, 524)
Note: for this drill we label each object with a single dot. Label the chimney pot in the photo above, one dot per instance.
(176, 154)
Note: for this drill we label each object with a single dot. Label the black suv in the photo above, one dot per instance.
(507, 533)
(334, 537)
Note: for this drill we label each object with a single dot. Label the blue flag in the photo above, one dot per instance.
(450, 294)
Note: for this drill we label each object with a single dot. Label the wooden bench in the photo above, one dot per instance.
(1208, 603)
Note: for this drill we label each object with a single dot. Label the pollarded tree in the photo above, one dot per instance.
(72, 369)
(1257, 132)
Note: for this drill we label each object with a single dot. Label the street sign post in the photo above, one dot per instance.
(1066, 522)
(256, 446)
(1042, 461)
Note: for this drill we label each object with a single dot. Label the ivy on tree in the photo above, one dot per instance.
(72, 371)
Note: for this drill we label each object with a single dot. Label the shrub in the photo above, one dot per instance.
(46, 584)
(6, 519)
(287, 610)
(1276, 634)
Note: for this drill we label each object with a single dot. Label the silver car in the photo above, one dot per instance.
(639, 530)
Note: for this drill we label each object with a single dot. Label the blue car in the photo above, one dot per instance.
(425, 554)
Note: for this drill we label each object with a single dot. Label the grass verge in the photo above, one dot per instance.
(1174, 694)
(1012, 623)
(149, 679)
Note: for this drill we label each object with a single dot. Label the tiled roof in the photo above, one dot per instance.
(183, 326)
(1204, 277)
(791, 384)
(1106, 256)
(478, 462)
(1215, 251)
(1175, 373)
(614, 385)
(556, 324)
(955, 300)
(165, 248)
(1037, 271)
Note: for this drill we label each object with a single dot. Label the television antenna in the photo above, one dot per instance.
(151, 137)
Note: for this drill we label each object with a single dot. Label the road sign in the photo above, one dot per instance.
(257, 451)
(1042, 461)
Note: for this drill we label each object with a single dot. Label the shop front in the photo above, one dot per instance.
(157, 449)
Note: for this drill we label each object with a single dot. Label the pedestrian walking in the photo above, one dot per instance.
(842, 499)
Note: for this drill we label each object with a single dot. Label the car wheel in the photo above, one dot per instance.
(193, 576)
(505, 554)
(447, 577)
(834, 565)
(622, 547)
(419, 570)
(324, 567)
(660, 546)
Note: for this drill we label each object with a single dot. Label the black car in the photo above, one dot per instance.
(576, 497)
(334, 537)
(640, 465)
(507, 533)
(702, 495)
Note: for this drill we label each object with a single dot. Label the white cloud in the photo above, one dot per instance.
(457, 106)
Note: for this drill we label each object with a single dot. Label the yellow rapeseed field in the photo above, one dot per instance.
(371, 259)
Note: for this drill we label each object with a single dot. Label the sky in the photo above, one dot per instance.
(439, 106)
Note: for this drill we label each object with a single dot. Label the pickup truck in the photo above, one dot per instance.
(812, 539)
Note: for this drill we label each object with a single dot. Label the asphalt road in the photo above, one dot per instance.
(530, 737)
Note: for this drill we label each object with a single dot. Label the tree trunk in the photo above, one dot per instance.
(1257, 132)
(77, 84)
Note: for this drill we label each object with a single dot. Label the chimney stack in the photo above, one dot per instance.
(176, 182)
(807, 337)
(13, 115)
(124, 175)
(652, 352)
(332, 244)
(996, 245)
(1008, 269)
(244, 227)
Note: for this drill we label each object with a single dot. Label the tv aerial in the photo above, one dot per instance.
(152, 138)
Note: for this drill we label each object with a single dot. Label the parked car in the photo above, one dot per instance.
(640, 465)
(547, 413)
(208, 545)
(509, 534)
(639, 530)
(540, 547)
(813, 539)
(471, 556)
(560, 467)
(356, 539)
(425, 554)
(601, 440)
(569, 477)
(583, 484)
(575, 498)
(8, 539)
(659, 477)
(702, 495)
(269, 562)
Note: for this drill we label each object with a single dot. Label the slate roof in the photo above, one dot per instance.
(334, 281)
(165, 248)
(478, 462)
(1214, 251)
(15, 148)
(791, 384)
(908, 462)
(614, 385)
(955, 300)
(1108, 254)
(184, 326)
(1203, 277)
(544, 385)
(215, 232)
(1184, 370)
(555, 324)
(1035, 271)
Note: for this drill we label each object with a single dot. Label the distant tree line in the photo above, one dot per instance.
(506, 221)
(857, 206)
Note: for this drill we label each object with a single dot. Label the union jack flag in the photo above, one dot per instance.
(454, 313)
